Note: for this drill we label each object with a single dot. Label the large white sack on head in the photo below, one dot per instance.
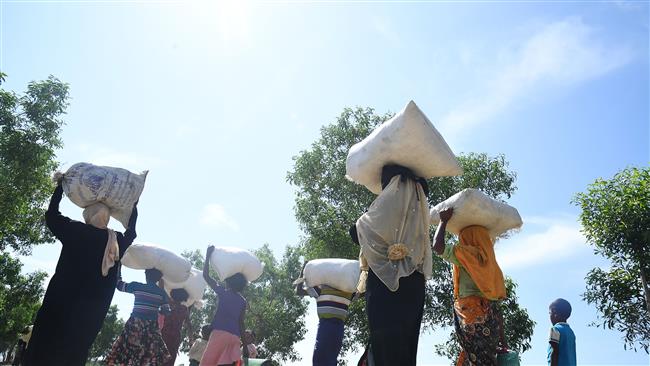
(341, 274)
(194, 285)
(146, 256)
(117, 188)
(473, 207)
(408, 139)
(227, 261)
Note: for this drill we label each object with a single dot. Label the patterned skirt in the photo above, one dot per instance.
(139, 344)
(477, 329)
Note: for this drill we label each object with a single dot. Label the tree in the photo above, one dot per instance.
(327, 204)
(29, 134)
(275, 313)
(111, 329)
(20, 297)
(615, 219)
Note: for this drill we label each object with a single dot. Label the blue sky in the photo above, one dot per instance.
(214, 98)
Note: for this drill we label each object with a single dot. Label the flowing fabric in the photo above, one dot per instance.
(78, 295)
(394, 234)
(139, 344)
(475, 252)
(223, 349)
(111, 253)
(477, 329)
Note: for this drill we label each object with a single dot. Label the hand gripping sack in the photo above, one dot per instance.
(117, 188)
(473, 207)
(227, 261)
(194, 285)
(408, 139)
(146, 256)
(341, 274)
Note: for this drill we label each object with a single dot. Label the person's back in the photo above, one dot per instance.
(228, 314)
(562, 340)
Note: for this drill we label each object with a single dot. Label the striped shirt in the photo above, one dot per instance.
(148, 298)
(330, 302)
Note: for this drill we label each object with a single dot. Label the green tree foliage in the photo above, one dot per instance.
(615, 219)
(29, 134)
(20, 297)
(111, 329)
(275, 313)
(327, 204)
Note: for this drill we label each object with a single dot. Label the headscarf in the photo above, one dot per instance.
(475, 252)
(394, 234)
(98, 216)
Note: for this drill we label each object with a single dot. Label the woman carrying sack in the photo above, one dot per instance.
(82, 287)
(478, 286)
(395, 260)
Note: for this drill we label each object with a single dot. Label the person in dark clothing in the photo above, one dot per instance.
(80, 292)
(395, 261)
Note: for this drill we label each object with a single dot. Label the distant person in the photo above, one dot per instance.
(173, 323)
(141, 342)
(198, 347)
(250, 339)
(478, 288)
(82, 287)
(395, 259)
(332, 308)
(228, 323)
(562, 340)
(21, 346)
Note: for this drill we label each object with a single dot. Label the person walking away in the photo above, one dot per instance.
(141, 343)
(198, 347)
(81, 290)
(395, 259)
(173, 323)
(478, 288)
(228, 324)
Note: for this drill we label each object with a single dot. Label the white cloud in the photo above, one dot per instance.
(559, 239)
(382, 26)
(561, 54)
(215, 215)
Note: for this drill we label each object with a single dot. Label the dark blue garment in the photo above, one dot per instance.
(329, 339)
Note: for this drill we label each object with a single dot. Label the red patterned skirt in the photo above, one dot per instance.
(139, 344)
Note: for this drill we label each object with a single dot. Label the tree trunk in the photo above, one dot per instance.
(646, 290)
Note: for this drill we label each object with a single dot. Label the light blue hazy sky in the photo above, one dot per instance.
(214, 98)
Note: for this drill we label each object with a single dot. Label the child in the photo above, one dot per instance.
(198, 347)
(228, 323)
(332, 307)
(141, 342)
(249, 337)
(562, 341)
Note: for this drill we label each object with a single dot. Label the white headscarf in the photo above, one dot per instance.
(98, 216)
(394, 234)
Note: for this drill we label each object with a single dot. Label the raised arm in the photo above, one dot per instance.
(300, 289)
(130, 234)
(439, 236)
(56, 222)
(121, 285)
(206, 269)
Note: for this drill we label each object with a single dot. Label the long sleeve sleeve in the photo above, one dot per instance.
(56, 222)
(130, 233)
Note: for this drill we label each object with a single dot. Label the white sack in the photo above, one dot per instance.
(146, 256)
(473, 207)
(341, 274)
(117, 188)
(408, 139)
(227, 261)
(194, 285)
